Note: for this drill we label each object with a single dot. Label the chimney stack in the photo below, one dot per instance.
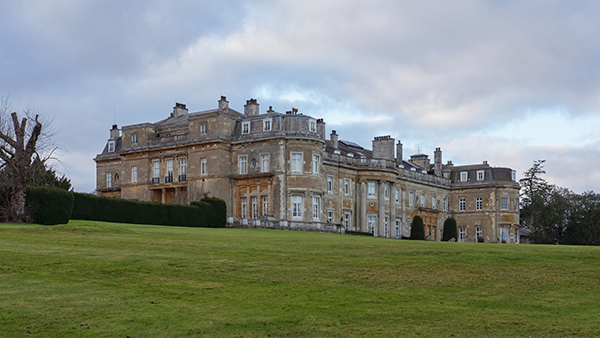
(383, 147)
(179, 109)
(223, 103)
(251, 107)
(437, 162)
(114, 132)
(334, 138)
(399, 153)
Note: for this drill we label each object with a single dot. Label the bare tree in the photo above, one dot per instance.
(18, 142)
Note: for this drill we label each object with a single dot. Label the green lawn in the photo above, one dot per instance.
(119, 280)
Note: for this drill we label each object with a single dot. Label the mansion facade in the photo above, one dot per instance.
(279, 170)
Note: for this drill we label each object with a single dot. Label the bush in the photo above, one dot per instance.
(417, 232)
(450, 229)
(48, 205)
(358, 233)
(211, 213)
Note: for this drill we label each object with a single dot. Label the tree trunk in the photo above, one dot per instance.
(17, 153)
(17, 202)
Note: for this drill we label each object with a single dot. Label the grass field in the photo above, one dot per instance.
(93, 279)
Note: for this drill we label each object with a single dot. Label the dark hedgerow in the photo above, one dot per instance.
(450, 229)
(216, 211)
(48, 205)
(417, 231)
(90, 207)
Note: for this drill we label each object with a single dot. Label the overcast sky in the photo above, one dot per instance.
(505, 81)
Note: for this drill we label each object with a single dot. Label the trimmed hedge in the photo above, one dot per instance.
(48, 205)
(450, 229)
(417, 231)
(210, 212)
(358, 233)
(216, 211)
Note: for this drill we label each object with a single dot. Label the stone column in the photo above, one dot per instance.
(392, 224)
(381, 201)
(363, 207)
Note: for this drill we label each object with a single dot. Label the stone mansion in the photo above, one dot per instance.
(279, 170)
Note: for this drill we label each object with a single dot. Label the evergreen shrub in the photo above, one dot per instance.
(450, 229)
(49, 205)
(417, 232)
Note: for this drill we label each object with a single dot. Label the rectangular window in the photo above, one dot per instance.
(297, 206)
(479, 203)
(516, 235)
(243, 164)
(203, 166)
(422, 200)
(371, 224)
(267, 125)
(514, 175)
(433, 202)
(411, 198)
(133, 138)
(134, 174)
(264, 163)
(371, 189)
(108, 180)
(346, 187)
(312, 126)
(245, 127)
(517, 204)
(347, 216)
(111, 146)
(385, 226)
(480, 175)
(462, 234)
(169, 177)
(462, 203)
(254, 207)
(504, 203)
(464, 176)
(445, 203)
(296, 162)
(156, 171)
(504, 235)
(265, 205)
(203, 129)
(316, 210)
(315, 164)
(330, 184)
(329, 216)
(182, 169)
(244, 207)
(397, 197)
(397, 229)
(386, 191)
(479, 235)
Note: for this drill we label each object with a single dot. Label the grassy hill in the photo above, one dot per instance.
(119, 280)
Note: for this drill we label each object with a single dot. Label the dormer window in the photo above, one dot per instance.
(203, 129)
(312, 126)
(267, 125)
(134, 139)
(480, 175)
(246, 128)
(514, 175)
(111, 146)
(464, 176)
